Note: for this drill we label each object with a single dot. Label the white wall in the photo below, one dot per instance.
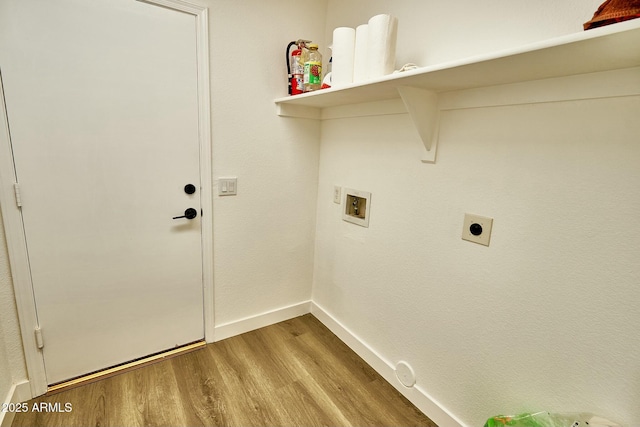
(546, 317)
(263, 238)
(12, 367)
(6, 378)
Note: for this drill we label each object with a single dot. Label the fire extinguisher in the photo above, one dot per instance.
(295, 65)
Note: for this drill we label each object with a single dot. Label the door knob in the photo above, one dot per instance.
(189, 188)
(189, 214)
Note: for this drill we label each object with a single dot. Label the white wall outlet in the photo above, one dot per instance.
(227, 186)
(477, 229)
(337, 194)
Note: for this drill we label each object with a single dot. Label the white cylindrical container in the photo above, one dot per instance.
(383, 34)
(360, 59)
(344, 40)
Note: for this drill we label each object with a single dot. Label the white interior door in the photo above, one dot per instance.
(102, 102)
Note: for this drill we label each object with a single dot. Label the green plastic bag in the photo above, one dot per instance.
(546, 419)
(539, 419)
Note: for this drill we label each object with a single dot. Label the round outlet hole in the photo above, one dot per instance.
(475, 229)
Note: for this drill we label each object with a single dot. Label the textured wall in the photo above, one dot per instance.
(264, 236)
(544, 318)
(6, 378)
(11, 357)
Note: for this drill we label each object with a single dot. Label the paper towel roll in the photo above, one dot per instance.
(344, 41)
(360, 65)
(383, 34)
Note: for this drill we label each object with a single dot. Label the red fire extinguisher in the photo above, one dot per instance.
(295, 66)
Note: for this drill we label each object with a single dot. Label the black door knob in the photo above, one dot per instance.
(189, 214)
(189, 188)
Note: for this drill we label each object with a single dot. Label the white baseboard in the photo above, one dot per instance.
(18, 393)
(247, 324)
(416, 395)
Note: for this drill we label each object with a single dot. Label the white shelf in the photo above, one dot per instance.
(608, 48)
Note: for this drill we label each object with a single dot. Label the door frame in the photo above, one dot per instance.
(14, 227)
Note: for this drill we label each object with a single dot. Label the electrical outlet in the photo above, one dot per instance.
(477, 229)
(337, 194)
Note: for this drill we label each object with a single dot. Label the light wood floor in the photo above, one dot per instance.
(294, 373)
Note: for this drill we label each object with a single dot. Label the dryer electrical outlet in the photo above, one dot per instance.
(477, 229)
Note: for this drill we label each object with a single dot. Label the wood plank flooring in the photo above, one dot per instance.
(294, 373)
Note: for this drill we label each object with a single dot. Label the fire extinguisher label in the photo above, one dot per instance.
(296, 66)
(297, 72)
(312, 73)
(297, 85)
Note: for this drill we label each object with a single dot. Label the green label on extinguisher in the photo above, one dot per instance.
(312, 73)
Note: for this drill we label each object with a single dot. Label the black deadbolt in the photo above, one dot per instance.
(475, 229)
(189, 188)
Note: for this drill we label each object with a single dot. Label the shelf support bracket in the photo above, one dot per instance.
(422, 106)
(298, 111)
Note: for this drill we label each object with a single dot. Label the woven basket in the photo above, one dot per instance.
(612, 11)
